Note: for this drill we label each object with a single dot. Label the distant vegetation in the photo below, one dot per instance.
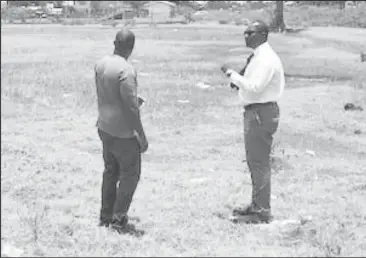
(296, 14)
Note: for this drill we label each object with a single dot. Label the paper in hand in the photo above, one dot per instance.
(140, 100)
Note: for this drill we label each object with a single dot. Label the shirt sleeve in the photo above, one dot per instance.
(128, 90)
(257, 80)
(95, 73)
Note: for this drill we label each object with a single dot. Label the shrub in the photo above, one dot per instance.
(326, 16)
(223, 21)
(73, 22)
(130, 22)
(241, 21)
(296, 16)
(16, 13)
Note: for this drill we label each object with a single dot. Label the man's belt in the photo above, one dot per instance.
(254, 105)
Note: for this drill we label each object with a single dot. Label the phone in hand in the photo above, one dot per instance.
(141, 101)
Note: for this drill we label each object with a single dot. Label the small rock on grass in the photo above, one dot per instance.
(183, 101)
(352, 107)
(358, 132)
(203, 85)
(310, 152)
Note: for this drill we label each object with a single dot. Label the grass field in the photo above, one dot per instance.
(52, 164)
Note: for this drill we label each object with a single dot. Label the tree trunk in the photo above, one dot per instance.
(278, 23)
(342, 4)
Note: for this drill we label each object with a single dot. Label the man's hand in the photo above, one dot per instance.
(143, 143)
(140, 101)
(225, 69)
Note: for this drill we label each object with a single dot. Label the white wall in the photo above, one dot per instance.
(159, 11)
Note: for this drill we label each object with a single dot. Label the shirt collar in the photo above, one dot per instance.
(260, 48)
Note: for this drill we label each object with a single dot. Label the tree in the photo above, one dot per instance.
(95, 7)
(278, 22)
(342, 4)
(19, 3)
(177, 2)
(218, 5)
(136, 5)
(57, 4)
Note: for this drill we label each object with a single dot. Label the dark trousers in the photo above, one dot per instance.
(260, 124)
(122, 165)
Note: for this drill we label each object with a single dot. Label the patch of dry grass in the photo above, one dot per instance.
(52, 165)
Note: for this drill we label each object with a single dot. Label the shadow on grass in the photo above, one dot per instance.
(295, 30)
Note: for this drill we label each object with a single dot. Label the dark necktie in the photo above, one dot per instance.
(242, 71)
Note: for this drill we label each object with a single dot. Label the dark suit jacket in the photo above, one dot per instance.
(116, 85)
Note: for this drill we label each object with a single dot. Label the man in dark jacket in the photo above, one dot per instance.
(120, 130)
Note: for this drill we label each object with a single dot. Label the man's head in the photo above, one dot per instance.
(124, 42)
(256, 34)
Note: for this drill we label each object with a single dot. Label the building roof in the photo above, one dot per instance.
(161, 2)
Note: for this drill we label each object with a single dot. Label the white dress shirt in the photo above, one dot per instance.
(264, 78)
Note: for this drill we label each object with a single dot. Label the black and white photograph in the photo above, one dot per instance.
(183, 128)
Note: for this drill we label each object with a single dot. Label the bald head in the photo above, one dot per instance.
(124, 42)
(260, 26)
(256, 33)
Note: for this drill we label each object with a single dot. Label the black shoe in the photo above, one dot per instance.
(128, 229)
(105, 223)
(242, 211)
(120, 223)
(253, 218)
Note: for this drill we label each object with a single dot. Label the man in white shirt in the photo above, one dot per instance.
(260, 84)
